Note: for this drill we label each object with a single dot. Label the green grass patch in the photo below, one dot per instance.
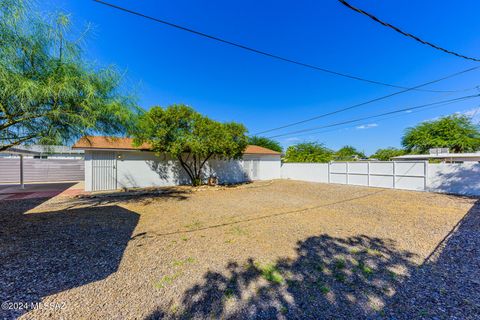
(324, 289)
(340, 277)
(184, 238)
(165, 281)
(373, 252)
(179, 263)
(340, 263)
(366, 270)
(354, 251)
(228, 294)
(271, 273)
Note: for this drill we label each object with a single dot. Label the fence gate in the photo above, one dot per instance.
(104, 171)
(409, 175)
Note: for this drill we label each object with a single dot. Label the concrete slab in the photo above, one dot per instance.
(40, 190)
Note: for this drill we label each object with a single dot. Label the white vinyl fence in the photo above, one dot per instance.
(409, 175)
(454, 178)
(41, 170)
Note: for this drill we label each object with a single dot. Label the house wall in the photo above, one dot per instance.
(145, 169)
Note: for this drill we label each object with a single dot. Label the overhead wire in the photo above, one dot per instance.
(414, 37)
(257, 51)
(379, 120)
(378, 115)
(366, 102)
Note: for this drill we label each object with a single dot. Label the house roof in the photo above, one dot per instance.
(115, 143)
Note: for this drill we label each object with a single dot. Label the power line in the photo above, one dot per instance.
(366, 102)
(387, 118)
(371, 16)
(264, 53)
(378, 115)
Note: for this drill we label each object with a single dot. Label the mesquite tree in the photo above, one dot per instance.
(456, 132)
(190, 137)
(48, 93)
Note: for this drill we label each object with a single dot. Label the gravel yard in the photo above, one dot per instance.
(279, 249)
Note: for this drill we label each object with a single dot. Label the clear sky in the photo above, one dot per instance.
(165, 66)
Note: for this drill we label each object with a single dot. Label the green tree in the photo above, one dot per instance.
(190, 137)
(48, 92)
(456, 132)
(387, 154)
(308, 152)
(266, 143)
(348, 153)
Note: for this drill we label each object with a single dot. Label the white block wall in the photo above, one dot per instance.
(456, 178)
(463, 179)
(315, 172)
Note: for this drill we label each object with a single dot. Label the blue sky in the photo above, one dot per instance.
(165, 66)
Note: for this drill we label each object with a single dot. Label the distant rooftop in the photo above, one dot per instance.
(439, 156)
(43, 149)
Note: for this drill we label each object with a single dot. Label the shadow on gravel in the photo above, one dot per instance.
(331, 278)
(447, 286)
(336, 278)
(144, 196)
(45, 253)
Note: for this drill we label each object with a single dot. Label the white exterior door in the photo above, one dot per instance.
(104, 171)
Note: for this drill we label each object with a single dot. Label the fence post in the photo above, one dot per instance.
(425, 175)
(347, 172)
(22, 184)
(394, 176)
(329, 171)
(368, 173)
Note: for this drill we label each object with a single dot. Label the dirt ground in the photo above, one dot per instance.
(278, 249)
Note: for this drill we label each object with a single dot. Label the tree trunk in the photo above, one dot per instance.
(194, 171)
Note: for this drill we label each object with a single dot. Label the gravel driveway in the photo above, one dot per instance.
(280, 249)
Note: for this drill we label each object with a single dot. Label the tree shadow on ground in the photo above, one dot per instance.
(447, 285)
(48, 252)
(331, 278)
(144, 196)
(357, 277)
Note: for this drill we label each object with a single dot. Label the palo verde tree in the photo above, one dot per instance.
(266, 143)
(48, 92)
(190, 137)
(456, 132)
(308, 152)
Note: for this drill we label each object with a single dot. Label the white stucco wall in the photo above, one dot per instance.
(314, 172)
(456, 178)
(145, 169)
